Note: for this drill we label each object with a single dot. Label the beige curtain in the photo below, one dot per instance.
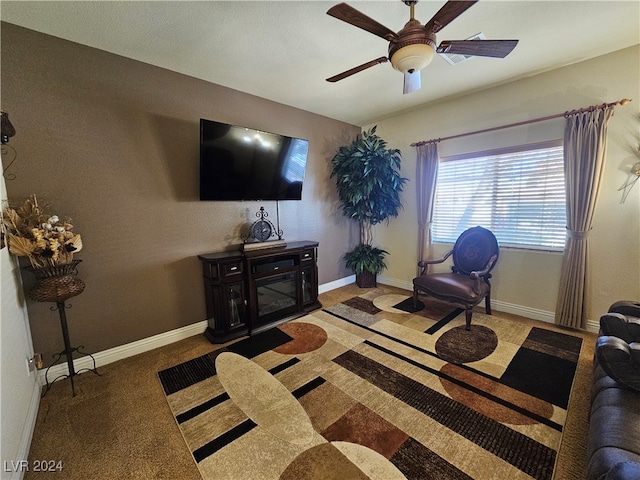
(426, 177)
(585, 142)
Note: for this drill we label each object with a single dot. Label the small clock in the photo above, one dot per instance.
(261, 230)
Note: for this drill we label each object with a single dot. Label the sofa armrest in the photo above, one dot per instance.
(624, 471)
(620, 360)
(622, 326)
(626, 307)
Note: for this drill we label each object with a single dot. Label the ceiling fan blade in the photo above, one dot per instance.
(412, 82)
(357, 69)
(449, 12)
(348, 14)
(480, 48)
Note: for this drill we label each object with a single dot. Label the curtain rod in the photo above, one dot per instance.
(624, 101)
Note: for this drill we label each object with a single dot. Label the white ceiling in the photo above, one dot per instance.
(284, 50)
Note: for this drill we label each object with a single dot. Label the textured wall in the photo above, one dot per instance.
(114, 144)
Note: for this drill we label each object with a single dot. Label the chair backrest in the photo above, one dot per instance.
(473, 250)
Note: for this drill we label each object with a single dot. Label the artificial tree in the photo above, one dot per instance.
(369, 185)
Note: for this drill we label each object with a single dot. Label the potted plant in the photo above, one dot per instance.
(369, 184)
(50, 244)
(43, 238)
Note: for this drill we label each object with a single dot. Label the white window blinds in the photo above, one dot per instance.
(518, 193)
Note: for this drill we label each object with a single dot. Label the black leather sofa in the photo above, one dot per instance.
(613, 446)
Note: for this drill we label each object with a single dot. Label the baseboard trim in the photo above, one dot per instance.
(124, 351)
(27, 431)
(593, 326)
(128, 350)
(528, 312)
(341, 282)
(523, 311)
(134, 348)
(393, 282)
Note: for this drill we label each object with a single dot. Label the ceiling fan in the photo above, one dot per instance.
(412, 48)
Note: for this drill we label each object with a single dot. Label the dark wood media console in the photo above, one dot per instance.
(249, 291)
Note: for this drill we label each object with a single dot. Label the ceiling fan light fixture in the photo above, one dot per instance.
(412, 58)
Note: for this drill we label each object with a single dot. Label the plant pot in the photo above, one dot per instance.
(366, 280)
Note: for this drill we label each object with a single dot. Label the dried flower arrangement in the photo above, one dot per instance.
(40, 236)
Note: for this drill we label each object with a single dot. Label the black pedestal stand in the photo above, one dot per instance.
(68, 352)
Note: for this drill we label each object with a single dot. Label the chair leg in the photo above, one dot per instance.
(468, 317)
(487, 303)
(415, 300)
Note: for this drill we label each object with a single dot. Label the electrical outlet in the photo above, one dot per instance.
(33, 363)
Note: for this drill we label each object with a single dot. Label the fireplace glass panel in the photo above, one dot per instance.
(277, 296)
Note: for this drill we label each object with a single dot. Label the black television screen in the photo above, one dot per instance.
(238, 163)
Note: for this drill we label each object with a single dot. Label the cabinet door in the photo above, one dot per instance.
(309, 286)
(234, 305)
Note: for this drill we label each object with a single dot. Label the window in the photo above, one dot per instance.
(518, 193)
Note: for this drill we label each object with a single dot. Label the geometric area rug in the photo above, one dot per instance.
(370, 389)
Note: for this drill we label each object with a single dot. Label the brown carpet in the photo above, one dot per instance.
(370, 386)
(120, 426)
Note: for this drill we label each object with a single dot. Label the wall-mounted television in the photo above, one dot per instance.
(239, 163)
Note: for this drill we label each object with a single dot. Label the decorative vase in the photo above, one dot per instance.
(56, 283)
